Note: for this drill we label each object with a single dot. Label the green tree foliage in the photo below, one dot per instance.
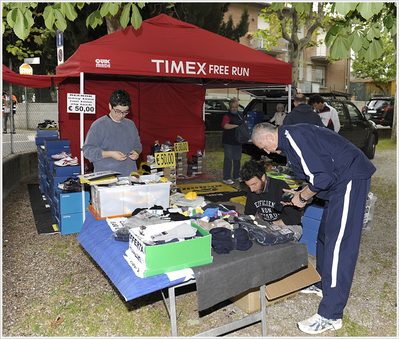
(359, 26)
(208, 16)
(285, 23)
(380, 70)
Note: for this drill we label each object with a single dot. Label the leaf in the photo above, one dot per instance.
(368, 9)
(19, 27)
(357, 42)
(339, 48)
(141, 4)
(392, 31)
(69, 11)
(124, 20)
(345, 7)
(374, 51)
(49, 17)
(388, 21)
(136, 19)
(302, 6)
(60, 22)
(277, 5)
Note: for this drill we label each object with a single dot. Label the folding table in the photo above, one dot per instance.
(227, 276)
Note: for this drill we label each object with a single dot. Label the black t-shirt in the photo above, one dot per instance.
(262, 204)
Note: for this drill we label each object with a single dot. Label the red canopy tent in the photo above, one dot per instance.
(166, 66)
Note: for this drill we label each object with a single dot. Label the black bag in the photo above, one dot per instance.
(242, 133)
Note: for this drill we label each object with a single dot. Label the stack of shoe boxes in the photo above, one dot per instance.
(181, 163)
(170, 174)
(199, 164)
(66, 208)
(253, 118)
(311, 223)
(41, 136)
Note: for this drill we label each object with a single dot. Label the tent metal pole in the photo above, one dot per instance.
(82, 168)
(289, 98)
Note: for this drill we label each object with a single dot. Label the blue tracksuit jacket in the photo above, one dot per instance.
(340, 173)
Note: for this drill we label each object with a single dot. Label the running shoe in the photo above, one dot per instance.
(313, 290)
(318, 324)
(67, 161)
(61, 155)
(228, 182)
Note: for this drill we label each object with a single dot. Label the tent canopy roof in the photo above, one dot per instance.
(170, 50)
(32, 81)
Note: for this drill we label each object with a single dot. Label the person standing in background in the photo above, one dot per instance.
(232, 148)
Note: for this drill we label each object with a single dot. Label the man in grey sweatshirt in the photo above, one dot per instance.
(113, 142)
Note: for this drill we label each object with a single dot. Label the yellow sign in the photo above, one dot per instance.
(181, 147)
(165, 159)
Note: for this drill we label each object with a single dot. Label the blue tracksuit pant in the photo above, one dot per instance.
(338, 244)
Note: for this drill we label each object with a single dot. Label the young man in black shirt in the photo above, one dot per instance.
(262, 196)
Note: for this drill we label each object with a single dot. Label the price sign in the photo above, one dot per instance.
(81, 103)
(181, 147)
(165, 159)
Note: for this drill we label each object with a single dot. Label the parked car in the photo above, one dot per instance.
(355, 125)
(215, 109)
(380, 110)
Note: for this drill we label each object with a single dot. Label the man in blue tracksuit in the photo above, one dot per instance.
(340, 174)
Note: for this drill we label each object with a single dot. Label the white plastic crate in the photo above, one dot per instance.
(369, 212)
(123, 200)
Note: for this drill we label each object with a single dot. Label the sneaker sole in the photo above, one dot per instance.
(319, 294)
(307, 329)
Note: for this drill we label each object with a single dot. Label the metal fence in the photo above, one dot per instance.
(41, 105)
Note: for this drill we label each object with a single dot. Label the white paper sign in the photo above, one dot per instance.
(81, 103)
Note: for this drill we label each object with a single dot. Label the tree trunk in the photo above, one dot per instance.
(295, 64)
(113, 24)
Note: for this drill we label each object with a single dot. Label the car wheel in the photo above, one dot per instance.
(370, 148)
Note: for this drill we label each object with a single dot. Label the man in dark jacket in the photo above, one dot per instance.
(263, 196)
(232, 148)
(302, 113)
(340, 174)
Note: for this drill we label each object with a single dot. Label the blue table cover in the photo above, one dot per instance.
(96, 238)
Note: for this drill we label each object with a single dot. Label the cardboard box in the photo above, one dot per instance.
(277, 291)
(172, 256)
(123, 200)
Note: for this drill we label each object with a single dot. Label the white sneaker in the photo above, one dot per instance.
(318, 324)
(67, 161)
(61, 155)
(228, 182)
(313, 290)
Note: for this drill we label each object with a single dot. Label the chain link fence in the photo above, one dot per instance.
(41, 104)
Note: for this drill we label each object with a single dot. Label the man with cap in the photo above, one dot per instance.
(340, 174)
(264, 195)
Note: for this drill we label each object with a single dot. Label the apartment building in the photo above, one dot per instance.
(316, 72)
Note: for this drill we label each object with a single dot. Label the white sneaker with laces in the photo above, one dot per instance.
(67, 161)
(228, 182)
(61, 155)
(318, 324)
(313, 290)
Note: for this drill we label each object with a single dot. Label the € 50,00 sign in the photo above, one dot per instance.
(81, 103)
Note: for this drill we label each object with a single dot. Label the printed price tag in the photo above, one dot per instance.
(165, 159)
(181, 147)
(81, 103)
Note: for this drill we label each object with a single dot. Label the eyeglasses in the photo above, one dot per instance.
(117, 111)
